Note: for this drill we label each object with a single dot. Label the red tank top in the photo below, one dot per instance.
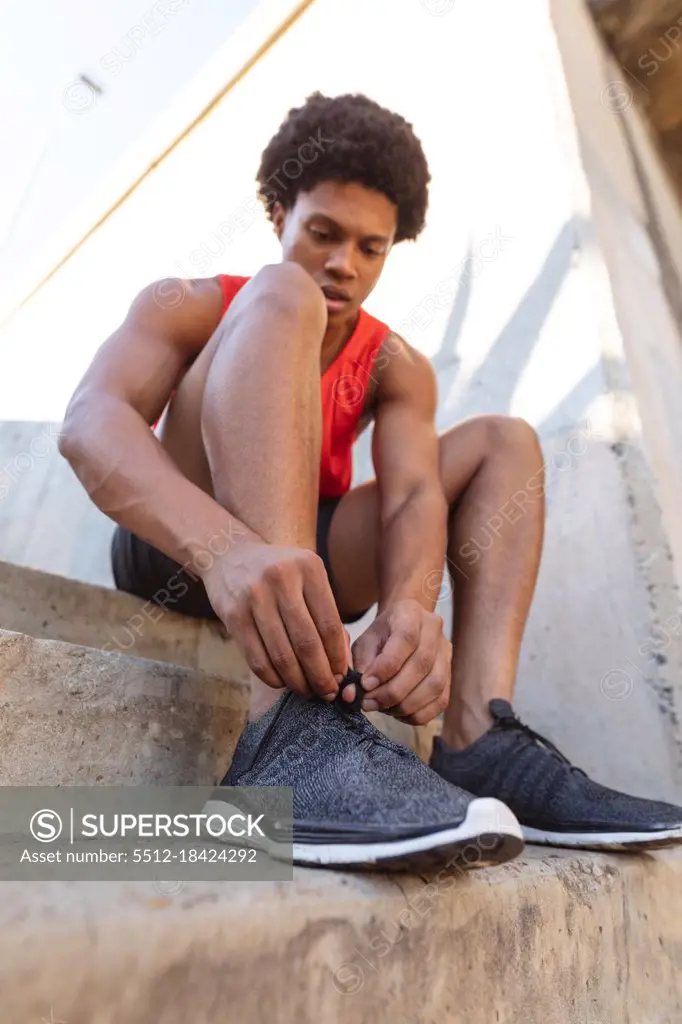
(344, 384)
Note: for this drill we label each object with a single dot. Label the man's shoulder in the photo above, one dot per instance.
(402, 370)
(185, 311)
(178, 292)
(397, 349)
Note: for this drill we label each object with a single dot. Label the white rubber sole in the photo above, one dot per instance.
(490, 834)
(605, 840)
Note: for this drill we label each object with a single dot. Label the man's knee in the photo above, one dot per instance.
(491, 434)
(510, 432)
(289, 292)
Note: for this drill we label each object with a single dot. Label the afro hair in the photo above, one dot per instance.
(355, 140)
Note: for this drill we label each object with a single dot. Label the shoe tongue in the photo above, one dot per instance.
(501, 710)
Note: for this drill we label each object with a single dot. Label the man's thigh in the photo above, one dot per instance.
(143, 570)
(354, 533)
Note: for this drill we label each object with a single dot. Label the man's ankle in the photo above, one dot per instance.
(462, 725)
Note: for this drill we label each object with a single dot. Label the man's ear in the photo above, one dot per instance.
(279, 216)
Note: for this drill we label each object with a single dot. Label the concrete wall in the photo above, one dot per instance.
(636, 218)
(537, 232)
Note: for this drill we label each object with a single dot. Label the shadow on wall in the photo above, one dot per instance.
(492, 388)
(496, 380)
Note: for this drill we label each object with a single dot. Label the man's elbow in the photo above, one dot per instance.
(67, 442)
(72, 431)
(70, 449)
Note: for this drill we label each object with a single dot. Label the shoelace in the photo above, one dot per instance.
(351, 678)
(507, 720)
(352, 718)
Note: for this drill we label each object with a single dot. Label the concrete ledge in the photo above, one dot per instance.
(549, 939)
(72, 715)
(46, 606)
(56, 608)
(119, 713)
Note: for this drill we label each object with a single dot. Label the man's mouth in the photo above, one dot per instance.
(335, 295)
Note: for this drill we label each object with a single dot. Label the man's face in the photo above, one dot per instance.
(341, 234)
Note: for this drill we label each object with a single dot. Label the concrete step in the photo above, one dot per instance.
(72, 715)
(552, 938)
(548, 939)
(46, 606)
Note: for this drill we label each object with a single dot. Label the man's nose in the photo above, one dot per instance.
(341, 261)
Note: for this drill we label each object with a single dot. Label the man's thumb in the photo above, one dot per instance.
(365, 650)
(349, 653)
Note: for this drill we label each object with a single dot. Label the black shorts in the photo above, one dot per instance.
(143, 570)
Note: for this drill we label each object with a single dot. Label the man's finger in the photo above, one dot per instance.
(349, 652)
(256, 655)
(425, 714)
(366, 648)
(278, 645)
(400, 646)
(308, 647)
(398, 689)
(322, 609)
(363, 651)
(425, 664)
(432, 695)
(428, 690)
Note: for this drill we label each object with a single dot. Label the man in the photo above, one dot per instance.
(270, 379)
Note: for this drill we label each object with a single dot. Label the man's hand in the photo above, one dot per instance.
(406, 663)
(278, 605)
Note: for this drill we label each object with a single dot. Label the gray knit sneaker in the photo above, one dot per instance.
(556, 803)
(360, 799)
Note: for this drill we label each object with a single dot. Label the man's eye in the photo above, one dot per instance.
(321, 235)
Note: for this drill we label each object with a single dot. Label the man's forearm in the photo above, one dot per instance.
(412, 549)
(132, 479)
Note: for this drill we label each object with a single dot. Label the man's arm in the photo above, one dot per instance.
(130, 476)
(106, 434)
(412, 506)
(404, 656)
